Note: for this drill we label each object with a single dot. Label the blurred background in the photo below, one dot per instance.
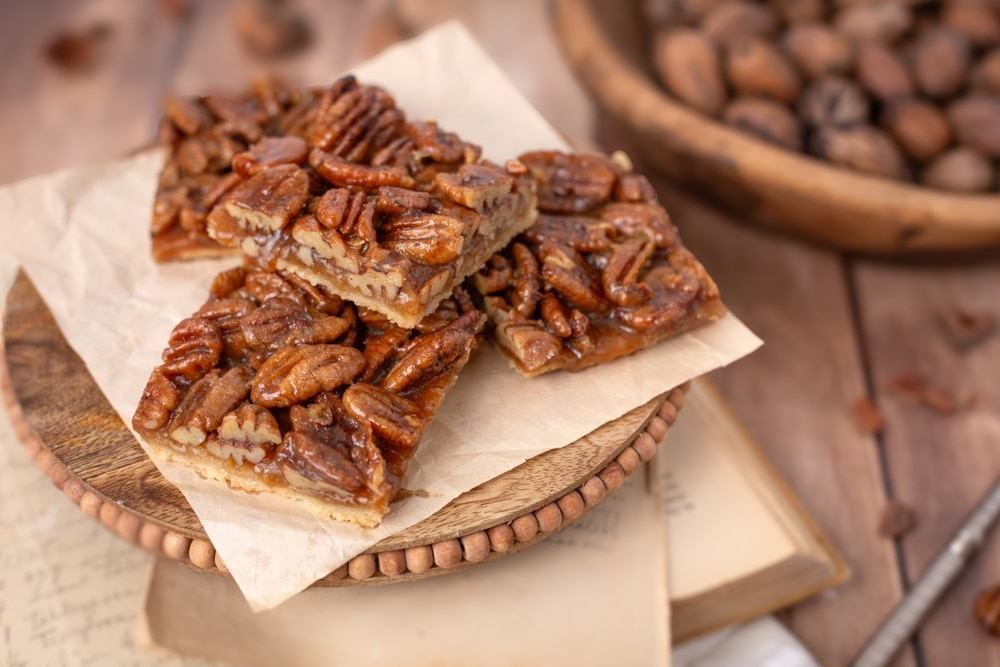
(83, 81)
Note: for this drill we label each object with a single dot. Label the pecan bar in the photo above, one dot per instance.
(601, 274)
(278, 386)
(208, 139)
(203, 135)
(395, 231)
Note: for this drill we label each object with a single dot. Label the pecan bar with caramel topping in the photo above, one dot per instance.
(601, 274)
(203, 135)
(239, 168)
(278, 386)
(396, 235)
(208, 139)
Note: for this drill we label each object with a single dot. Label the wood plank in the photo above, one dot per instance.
(795, 396)
(939, 465)
(51, 119)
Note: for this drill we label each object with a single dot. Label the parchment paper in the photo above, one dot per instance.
(83, 237)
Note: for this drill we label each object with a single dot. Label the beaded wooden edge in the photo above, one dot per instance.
(391, 560)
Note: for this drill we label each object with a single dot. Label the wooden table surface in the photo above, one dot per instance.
(837, 328)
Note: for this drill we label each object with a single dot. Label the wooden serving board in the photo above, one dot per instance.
(77, 438)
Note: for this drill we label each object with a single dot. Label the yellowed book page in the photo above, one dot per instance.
(593, 594)
(70, 590)
(720, 528)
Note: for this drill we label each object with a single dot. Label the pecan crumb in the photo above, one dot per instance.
(914, 387)
(970, 400)
(175, 10)
(78, 51)
(867, 418)
(938, 400)
(909, 385)
(897, 520)
(964, 328)
(987, 609)
(270, 29)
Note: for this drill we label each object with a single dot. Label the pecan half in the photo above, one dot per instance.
(635, 188)
(580, 233)
(570, 183)
(673, 291)
(263, 286)
(428, 238)
(527, 279)
(395, 419)
(158, 400)
(651, 220)
(432, 354)
(620, 276)
(307, 463)
(167, 207)
(532, 345)
(370, 131)
(327, 242)
(219, 189)
(431, 142)
(193, 155)
(343, 173)
(207, 402)
(342, 115)
(278, 320)
(270, 199)
(228, 281)
(237, 109)
(293, 374)
(396, 153)
(476, 186)
(185, 113)
(246, 434)
(348, 211)
(495, 276)
(378, 349)
(317, 296)
(396, 201)
(555, 315)
(194, 348)
(227, 313)
(270, 152)
(579, 323)
(567, 273)
(324, 330)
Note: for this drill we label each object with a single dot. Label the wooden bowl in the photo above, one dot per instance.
(606, 42)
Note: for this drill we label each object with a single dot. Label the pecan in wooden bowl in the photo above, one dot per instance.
(846, 125)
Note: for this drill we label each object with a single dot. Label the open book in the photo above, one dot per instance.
(740, 543)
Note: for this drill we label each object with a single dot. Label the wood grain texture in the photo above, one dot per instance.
(50, 118)
(940, 465)
(779, 189)
(794, 396)
(81, 431)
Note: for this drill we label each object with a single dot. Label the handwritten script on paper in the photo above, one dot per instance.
(676, 499)
(70, 590)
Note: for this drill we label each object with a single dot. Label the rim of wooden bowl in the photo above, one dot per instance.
(837, 207)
